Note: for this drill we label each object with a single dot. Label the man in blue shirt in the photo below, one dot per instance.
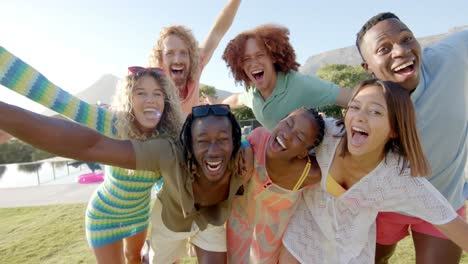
(437, 79)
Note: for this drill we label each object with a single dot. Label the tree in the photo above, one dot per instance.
(345, 76)
(243, 113)
(208, 91)
(15, 151)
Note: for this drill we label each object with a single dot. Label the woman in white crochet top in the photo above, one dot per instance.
(366, 169)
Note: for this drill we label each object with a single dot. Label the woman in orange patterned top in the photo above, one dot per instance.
(283, 168)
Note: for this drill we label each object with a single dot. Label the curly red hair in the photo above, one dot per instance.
(273, 38)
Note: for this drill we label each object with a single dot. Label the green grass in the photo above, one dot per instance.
(44, 234)
(55, 234)
(404, 253)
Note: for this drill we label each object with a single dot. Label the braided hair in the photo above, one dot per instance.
(321, 126)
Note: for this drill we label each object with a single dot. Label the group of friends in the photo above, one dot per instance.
(300, 189)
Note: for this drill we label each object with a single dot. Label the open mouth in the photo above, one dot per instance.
(358, 136)
(278, 144)
(281, 142)
(214, 166)
(152, 113)
(405, 68)
(177, 71)
(258, 75)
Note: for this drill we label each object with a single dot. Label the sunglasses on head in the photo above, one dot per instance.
(139, 70)
(215, 109)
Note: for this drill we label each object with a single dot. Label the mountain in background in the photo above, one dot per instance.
(350, 56)
(100, 91)
(104, 88)
(222, 94)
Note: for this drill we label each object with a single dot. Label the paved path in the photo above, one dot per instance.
(66, 193)
(46, 195)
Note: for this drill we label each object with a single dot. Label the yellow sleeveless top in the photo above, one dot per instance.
(333, 187)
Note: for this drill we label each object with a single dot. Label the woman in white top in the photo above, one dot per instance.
(365, 169)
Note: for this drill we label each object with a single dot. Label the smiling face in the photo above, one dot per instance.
(212, 146)
(176, 60)
(367, 123)
(293, 135)
(147, 103)
(259, 67)
(392, 53)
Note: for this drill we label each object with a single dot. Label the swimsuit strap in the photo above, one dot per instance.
(304, 175)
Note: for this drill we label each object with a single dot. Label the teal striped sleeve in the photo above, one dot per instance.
(20, 77)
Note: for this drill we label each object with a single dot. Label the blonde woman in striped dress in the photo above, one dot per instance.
(146, 106)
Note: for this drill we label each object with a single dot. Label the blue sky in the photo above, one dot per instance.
(74, 43)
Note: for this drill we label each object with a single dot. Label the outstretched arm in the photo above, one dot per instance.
(233, 101)
(65, 138)
(20, 77)
(4, 137)
(344, 96)
(220, 27)
(457, 231)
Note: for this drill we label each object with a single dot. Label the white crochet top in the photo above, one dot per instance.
(328, 229)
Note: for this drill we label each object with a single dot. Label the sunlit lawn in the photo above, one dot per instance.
(44, 234)
(55, 234)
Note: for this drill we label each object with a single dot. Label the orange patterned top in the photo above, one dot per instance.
(259, 217)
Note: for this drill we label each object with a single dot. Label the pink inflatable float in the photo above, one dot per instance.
(91, 177)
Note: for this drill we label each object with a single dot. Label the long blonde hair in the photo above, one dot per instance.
(185, 34)
(172, 116)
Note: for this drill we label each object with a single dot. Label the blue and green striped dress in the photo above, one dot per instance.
(120, 206)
